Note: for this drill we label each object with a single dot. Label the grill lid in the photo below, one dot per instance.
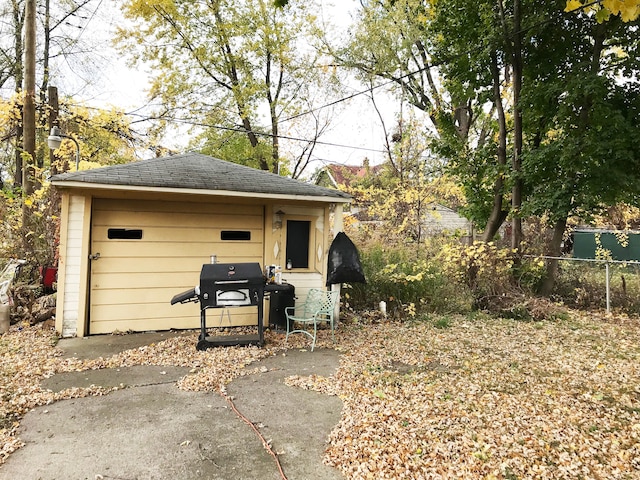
(230, 274)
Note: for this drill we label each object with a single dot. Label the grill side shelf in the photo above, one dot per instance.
(185, 297)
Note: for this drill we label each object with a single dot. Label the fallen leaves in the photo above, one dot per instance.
(489, 399)
(481, 398)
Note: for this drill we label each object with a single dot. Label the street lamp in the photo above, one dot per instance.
(55, 139)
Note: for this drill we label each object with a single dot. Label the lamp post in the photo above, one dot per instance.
(55, 139)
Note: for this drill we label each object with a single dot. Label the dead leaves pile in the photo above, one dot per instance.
(481, 398)
(490, 399)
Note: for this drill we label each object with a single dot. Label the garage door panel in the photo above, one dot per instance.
(193, 234)
(160, 295)
(140, 280)
(175, 249)
(136, 312)
(145, 220)
(143, 325)
(136, 317)
(123, 205)
(133, 280)
(125, 325)
(162, 265)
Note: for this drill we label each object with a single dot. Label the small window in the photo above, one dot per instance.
(298, 235)
(235, 235)
(124, 234)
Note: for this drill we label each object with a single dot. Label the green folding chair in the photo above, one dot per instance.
(318, 307)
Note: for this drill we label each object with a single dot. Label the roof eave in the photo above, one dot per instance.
(196, 191)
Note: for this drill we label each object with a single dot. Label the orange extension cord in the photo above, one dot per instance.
(255, 429)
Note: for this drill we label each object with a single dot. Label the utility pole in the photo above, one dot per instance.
(29, 112)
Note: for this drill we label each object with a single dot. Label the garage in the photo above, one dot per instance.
(143, 252)
(132, 236)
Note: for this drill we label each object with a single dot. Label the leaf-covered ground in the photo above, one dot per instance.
(476, 398)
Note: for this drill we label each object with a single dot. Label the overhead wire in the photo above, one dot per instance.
(434, 64)
(370, 89)
(196, 123)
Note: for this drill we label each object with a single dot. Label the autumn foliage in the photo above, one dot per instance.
(627, 9)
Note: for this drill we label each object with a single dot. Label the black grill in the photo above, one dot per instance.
(227, 285)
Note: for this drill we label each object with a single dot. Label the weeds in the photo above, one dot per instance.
(482, 280)
(442, 322)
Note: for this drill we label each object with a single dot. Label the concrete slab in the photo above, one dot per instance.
(105, 346)
(136, 376)
(298, 421)
(153, 430)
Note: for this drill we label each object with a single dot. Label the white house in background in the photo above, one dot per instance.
(444, 220)
(438, 219)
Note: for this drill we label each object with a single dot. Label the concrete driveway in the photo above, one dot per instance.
(153, 430)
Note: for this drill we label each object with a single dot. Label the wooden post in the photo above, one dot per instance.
(29, 112)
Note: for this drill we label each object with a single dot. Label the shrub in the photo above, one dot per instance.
(415, 281)
(408, 280)
(583, 285)
(483, 268)
(37, 240)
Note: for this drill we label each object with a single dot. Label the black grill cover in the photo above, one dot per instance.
(344, 262)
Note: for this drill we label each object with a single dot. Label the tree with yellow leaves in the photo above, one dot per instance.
(628, 10)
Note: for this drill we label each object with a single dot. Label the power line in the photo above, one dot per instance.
(269, 135)
(395, 80)
(196, 123)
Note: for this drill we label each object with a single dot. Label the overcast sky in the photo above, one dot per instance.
(356, 127)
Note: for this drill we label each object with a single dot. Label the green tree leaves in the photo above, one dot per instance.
(240, 63)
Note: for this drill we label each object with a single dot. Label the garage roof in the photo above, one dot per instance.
(196, 173)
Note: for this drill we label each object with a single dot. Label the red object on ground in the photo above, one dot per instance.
(49, 277)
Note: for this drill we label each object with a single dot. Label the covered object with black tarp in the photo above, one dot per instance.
(344, 262)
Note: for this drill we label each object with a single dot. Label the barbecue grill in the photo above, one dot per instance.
(227, 285)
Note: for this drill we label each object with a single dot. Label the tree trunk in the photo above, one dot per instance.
(52, 94)
(516, 192)
(553, 250)
(498, 215)
(44, 87)
(18, 74)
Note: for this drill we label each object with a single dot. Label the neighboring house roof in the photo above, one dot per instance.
(345, 174)
(196, 173)
(436, 219)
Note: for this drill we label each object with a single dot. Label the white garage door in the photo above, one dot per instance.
(145, 252)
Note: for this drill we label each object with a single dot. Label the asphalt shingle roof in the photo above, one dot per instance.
(199, 172)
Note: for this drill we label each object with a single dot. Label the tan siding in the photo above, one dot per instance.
(133, 281)
(72, 266)
(303, 282)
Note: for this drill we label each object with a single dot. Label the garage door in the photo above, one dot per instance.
(145, 252)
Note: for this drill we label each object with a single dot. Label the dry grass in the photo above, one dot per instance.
(473, 399)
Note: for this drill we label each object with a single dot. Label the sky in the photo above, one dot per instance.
(355, 133)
